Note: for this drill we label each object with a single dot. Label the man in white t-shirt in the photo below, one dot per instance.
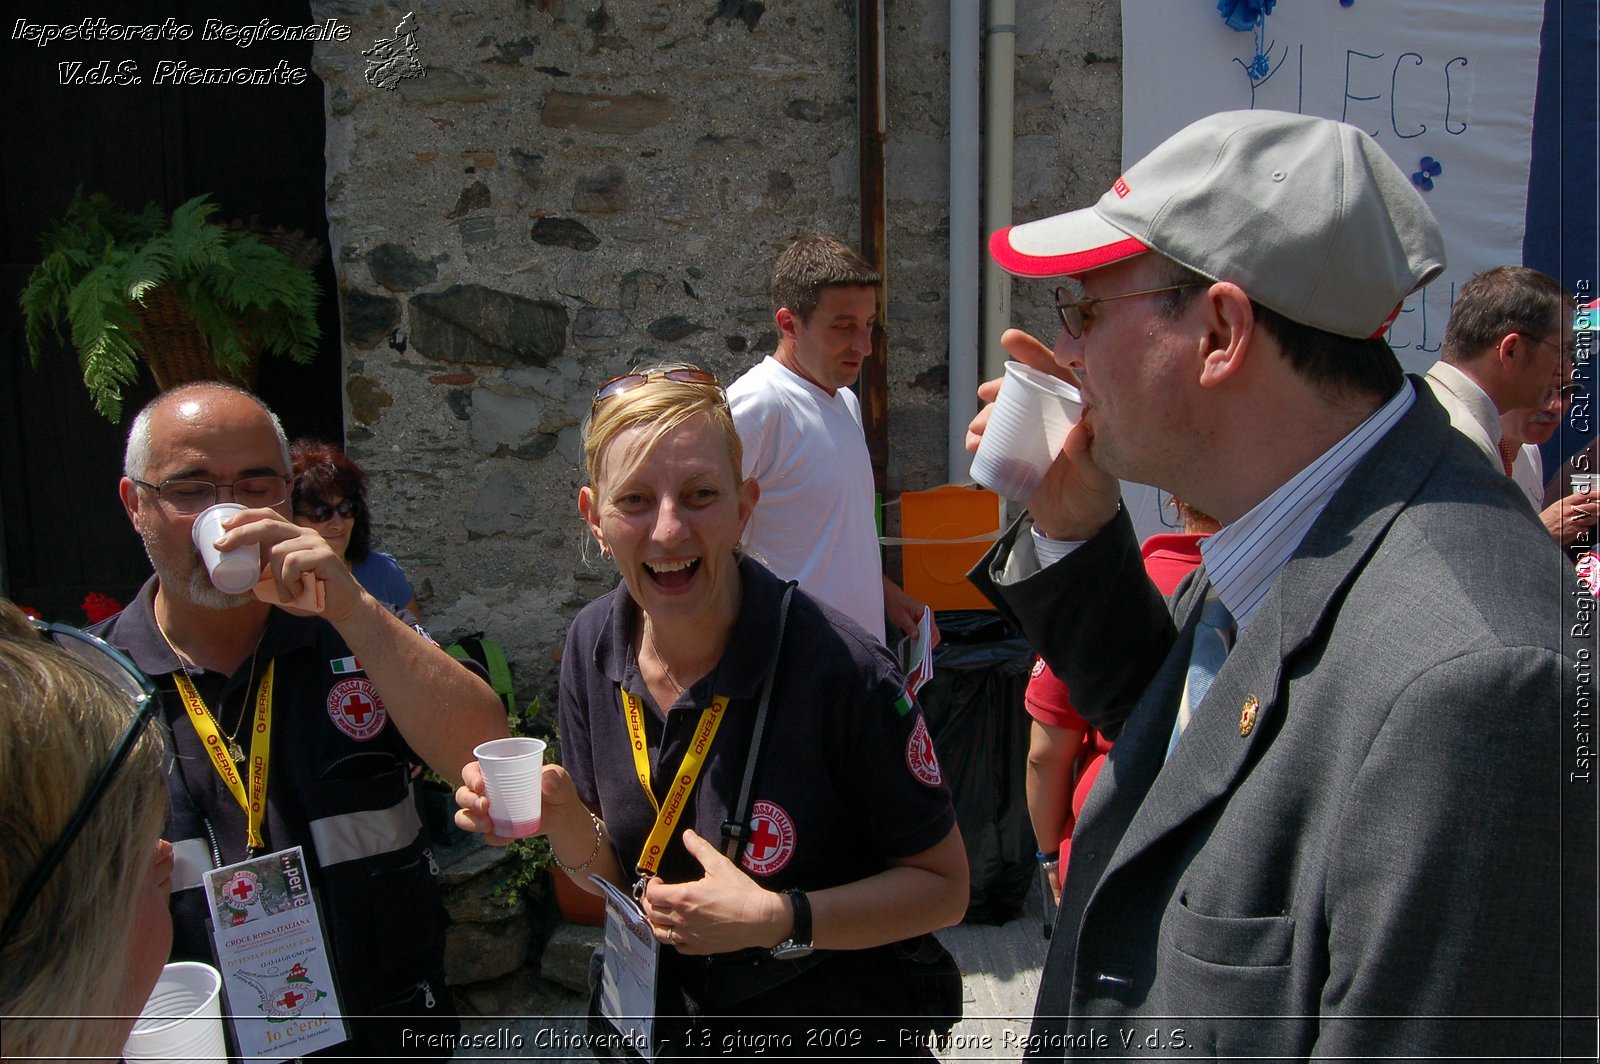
(803, 441)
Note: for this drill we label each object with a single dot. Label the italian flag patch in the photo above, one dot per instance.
(904, 704)
(344, 666)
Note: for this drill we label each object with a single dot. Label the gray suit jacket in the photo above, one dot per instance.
(1396, 854)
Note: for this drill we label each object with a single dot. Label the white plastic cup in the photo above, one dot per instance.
(182, 1021)
(511, 772)
(235, 571)
(1026, 429)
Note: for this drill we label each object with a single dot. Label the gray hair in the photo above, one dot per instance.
(136, 456)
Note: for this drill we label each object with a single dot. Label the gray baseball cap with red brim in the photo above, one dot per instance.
(1309, 216)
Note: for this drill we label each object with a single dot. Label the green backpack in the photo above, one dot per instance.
(492, 656)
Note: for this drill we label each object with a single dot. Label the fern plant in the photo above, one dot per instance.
(102, 264)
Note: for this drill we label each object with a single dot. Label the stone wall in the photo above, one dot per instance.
(574, 187)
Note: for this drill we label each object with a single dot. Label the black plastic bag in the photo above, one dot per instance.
(975, 712)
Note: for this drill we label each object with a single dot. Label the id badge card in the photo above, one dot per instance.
(628, 982)
(276, 973)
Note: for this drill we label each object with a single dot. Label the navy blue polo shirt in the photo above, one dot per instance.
(336, 757)
(848, 782)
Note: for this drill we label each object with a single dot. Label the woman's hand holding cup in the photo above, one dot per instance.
(558, 794)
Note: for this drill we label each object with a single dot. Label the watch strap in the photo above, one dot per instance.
(802, 917)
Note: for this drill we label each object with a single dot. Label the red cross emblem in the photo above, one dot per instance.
(241, 890)
(1589, 572)
(355, 708)
(920, 758)
(287, 1001)
(772, 840)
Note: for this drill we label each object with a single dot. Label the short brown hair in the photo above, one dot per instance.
(1499, 301)
(811, 263)
(1340, 365)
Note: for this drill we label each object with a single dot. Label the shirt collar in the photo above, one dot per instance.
(1243, 560)
(135, 633)
(1470, 394)
(744, 663)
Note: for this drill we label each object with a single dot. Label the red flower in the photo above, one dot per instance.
(98, 607)
(29, 611)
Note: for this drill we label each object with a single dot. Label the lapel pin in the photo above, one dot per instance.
(1247, 716)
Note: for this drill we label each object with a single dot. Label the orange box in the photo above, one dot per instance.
(936, 573)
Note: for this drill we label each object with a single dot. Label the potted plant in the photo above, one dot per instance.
(193, 298)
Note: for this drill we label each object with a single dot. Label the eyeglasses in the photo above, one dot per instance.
(1562, 350)
(1562, 394)
(1077, 313)
(320, 512)
(109, 662)
(629, 381)
(192, 496)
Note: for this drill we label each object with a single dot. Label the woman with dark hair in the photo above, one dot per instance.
(330, 495)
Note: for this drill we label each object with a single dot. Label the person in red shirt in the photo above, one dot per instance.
(1064, 752)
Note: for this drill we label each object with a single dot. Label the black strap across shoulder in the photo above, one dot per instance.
(736, 829)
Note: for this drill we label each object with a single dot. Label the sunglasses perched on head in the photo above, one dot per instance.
(319, 512)
(100, 657)
(629, 381)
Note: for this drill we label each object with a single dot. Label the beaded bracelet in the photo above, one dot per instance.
(592, 854)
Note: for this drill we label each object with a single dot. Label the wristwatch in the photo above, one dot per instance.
(798, 944)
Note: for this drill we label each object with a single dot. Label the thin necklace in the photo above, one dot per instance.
(235, 751)
(655, 652)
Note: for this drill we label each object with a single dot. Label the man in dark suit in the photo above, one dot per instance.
(1374, 834)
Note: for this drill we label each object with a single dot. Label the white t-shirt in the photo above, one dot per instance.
(814, 522)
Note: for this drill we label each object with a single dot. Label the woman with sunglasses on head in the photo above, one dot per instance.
(84, 874)
(845, 847)
(330, 495)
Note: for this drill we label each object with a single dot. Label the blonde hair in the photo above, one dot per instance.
(659, 406)
(59, 721)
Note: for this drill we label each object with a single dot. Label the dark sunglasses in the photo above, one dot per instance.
(629, 381)
(320, 512)
(109, 662)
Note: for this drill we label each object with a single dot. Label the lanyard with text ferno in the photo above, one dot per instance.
(694, 759)
(217, 750)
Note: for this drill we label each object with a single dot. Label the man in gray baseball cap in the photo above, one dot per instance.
(1344, 814)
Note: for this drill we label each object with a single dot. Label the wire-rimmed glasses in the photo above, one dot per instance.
(188, 496)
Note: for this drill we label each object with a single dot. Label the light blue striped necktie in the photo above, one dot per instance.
(1213, 638)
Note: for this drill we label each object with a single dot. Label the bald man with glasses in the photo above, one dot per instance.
(293, 729)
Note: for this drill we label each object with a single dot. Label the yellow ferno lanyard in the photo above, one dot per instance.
(217, 749)
(668, 812)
